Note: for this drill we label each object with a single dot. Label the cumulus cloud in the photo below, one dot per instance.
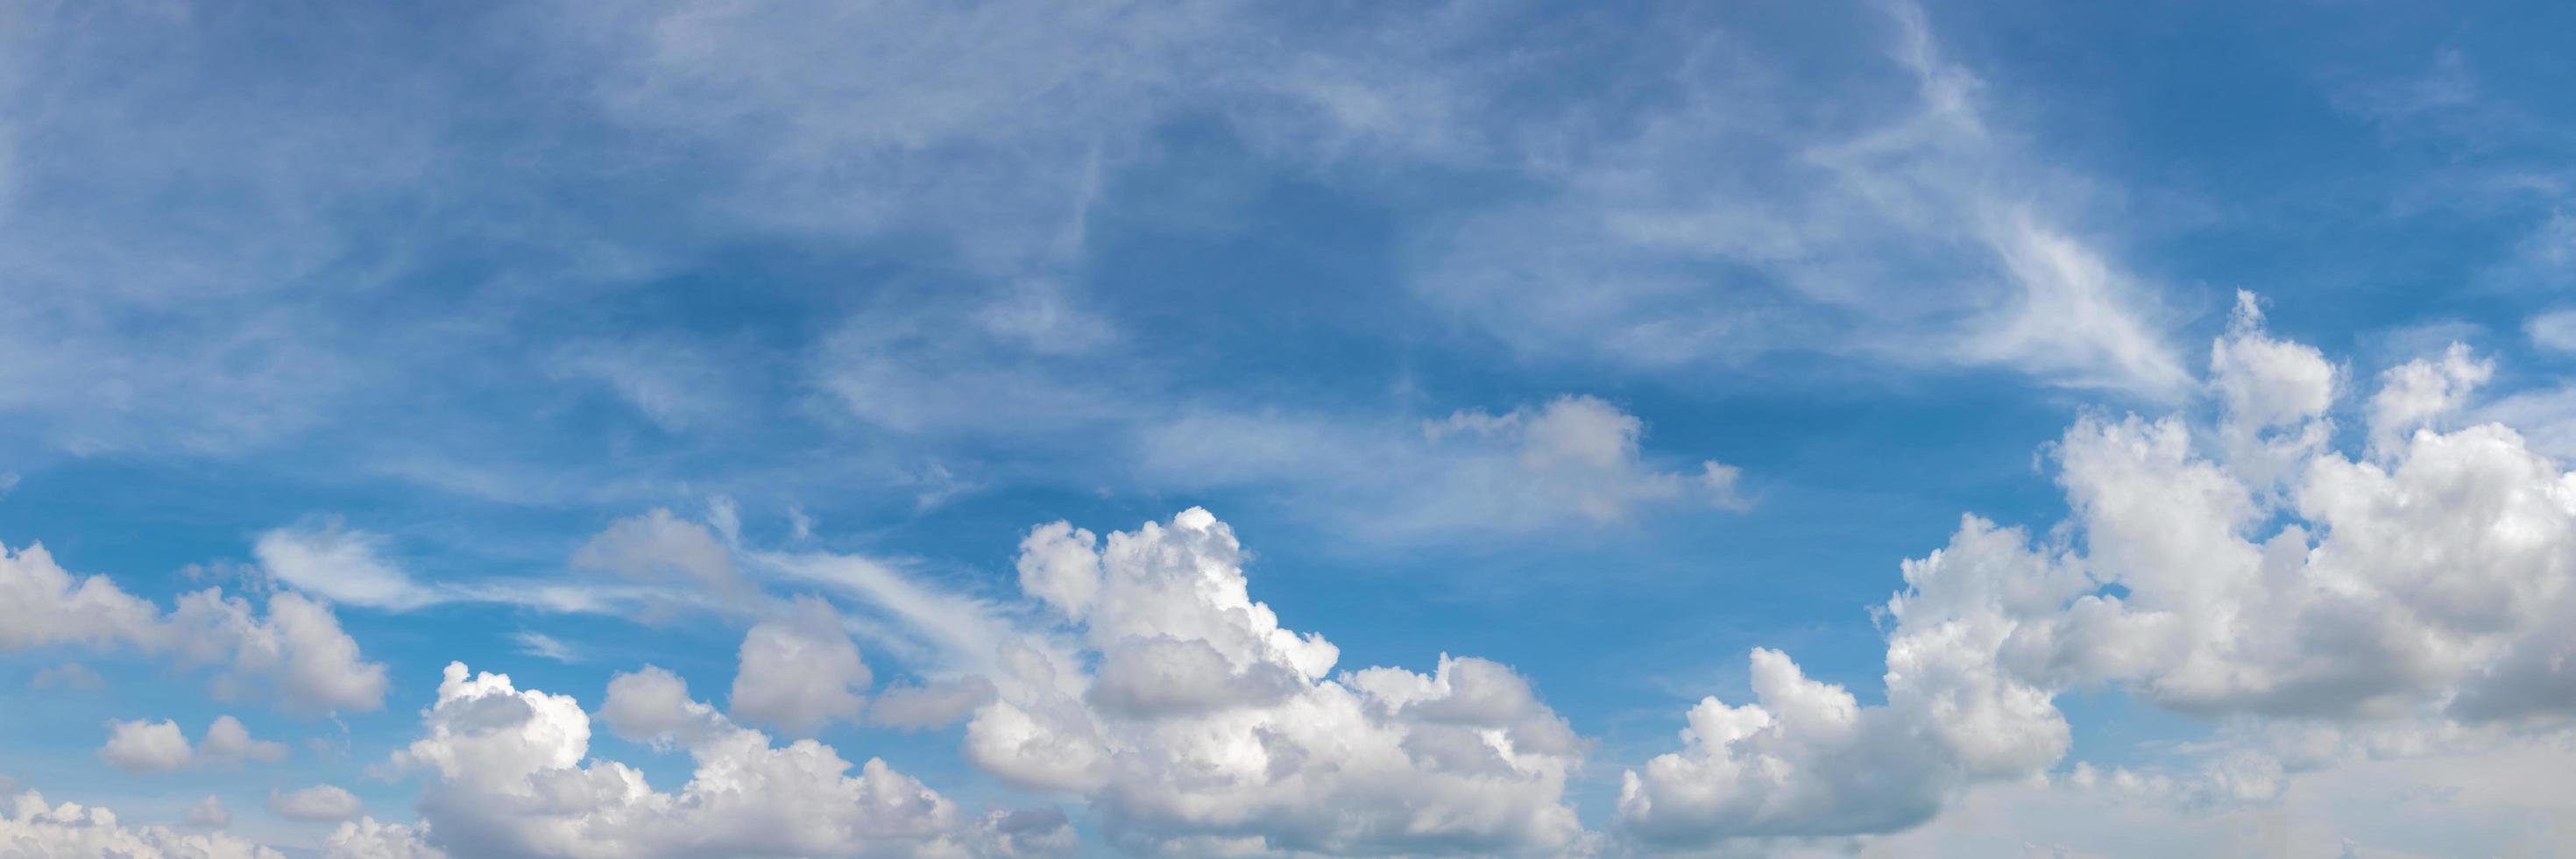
(658, 546)
(1209, 727)
(2259, 576)
(141, 746)
(509, 774)
(228, 741)
(2413, 394)
(34, 830)
(297, 654)
(800, 670)
(320, 802)
(364, 838)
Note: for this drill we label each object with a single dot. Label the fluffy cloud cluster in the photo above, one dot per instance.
(509, 775)
(1208, 728)
(139, 746)
(30, 829)
(2248, 570)
(296, 654)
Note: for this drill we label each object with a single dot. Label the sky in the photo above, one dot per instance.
(996, 429)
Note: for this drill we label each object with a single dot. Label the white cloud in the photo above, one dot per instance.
(2555, 330)
(2425, 590)
(510, 774)
(800, 670)
(228, 741)
(30, 829)
(320, 802)
(547, 646)
(298, 654)
(141, 747)
(364, 838)
(1570, 460)
(2504, 801)
(209, 813)
(660, 547)
(342, 565)
(1210, 726)
(2414, 394)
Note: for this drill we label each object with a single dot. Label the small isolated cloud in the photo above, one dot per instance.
(147, 747)
(1574, 460)
(343, 565)
(546, 646)
(319, 803)
(658, 546)
(2555, 330)
(69, 675)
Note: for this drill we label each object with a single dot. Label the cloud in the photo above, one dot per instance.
(227, 741)
(69, 675)
(2411, 395)
(297, 652)
(543, 645)
(209, 813)
(800, 670)
(1738, 223)
(510, 774)
(342, 565)
(320, 802)
(2555, 330)
(32, 828)
(2499, 801)
(931, 705)
(364, 838)
(660, 547)
(1573, 460)
(2424, 589)
(1208, 726)
(141, 747)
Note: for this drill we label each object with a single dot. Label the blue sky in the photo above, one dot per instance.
(1583, 363)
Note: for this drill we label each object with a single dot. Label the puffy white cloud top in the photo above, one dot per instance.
(2249, 571)
(297, 654)
(31, 829)
(509, 775)
(1207, 727)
